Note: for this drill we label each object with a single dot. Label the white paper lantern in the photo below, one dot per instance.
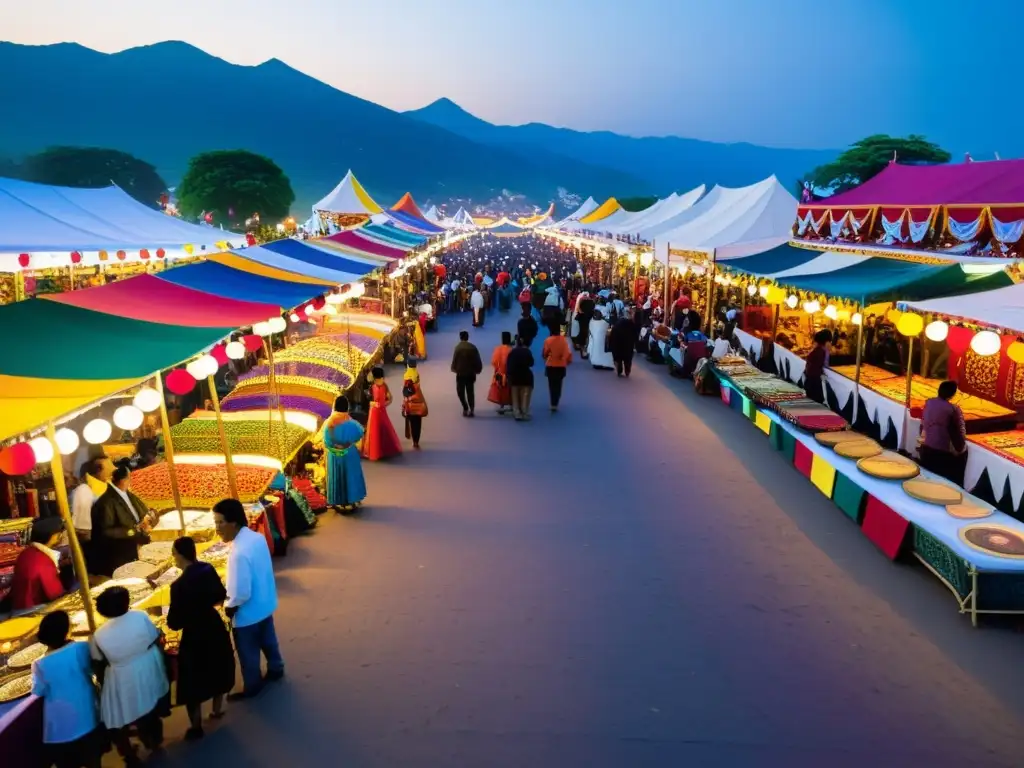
(937, 330)
(293, 317)
(857, 319)
(831, 312)
(752, 289)
(196, 369)
(261, 329)
(985, 343)
(277, 324)
(792, 301)
(97, 431)
(128, 417)
(42, 448)
(210, 365)
(67, 441)
(147, 400)
(330, 309)
(810, 307)
(763, 291)
(335, 298)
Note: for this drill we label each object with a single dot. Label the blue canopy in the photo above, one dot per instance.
(309, 254)
(219, 280)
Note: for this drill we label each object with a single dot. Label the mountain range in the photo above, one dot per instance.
(167, 102)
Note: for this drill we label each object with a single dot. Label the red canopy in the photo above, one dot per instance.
(350, 238)
(146, 297)
(408, 205)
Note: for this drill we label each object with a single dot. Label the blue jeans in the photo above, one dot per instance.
(249, 642)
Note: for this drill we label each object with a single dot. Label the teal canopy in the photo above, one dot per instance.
(869, 279)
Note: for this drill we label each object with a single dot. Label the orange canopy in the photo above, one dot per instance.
(408, 205)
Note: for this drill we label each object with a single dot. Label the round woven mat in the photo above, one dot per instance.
(932, 492)
(889, 465)
(858, 449)
(834, 438)
(967, 511)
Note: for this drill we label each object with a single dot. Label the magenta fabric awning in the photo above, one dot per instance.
(913, 186)
(352, 239)
(148, 298)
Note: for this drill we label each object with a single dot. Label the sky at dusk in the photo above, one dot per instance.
(795, 73)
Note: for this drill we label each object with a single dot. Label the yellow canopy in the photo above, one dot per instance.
(603, 211)
(27, 402)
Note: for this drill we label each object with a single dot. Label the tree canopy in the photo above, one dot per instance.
(233, 185)
(634, 204)
(867, 157)
(94, 167)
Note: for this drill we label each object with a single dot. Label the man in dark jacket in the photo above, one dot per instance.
(527, 326)
(623, 343)
(120, 524)
(520, 379)
(466, 365)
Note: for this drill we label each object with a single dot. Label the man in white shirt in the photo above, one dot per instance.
(96, 474)
(252, 598)
(476, 301)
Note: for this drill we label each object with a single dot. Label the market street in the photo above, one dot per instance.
(638, 580)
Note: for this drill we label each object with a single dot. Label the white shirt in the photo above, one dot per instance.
(124, 495)
(251, 586)
(82, 499)
(63, 679)
(477, 300)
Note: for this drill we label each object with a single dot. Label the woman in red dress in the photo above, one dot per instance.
(381, 440)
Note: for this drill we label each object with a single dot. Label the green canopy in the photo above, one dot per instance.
(50, 340)
(869, 279)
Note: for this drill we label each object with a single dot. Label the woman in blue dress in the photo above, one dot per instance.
(346, 487)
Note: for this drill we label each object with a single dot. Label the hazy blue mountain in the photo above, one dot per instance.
(666, 163)
(167, 102)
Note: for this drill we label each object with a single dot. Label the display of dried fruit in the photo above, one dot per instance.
(24, 658)
(200, 486)
(262, 384)
(295, 369)
(156, 552)
(258, 437)
(257, 401)
(16, 688)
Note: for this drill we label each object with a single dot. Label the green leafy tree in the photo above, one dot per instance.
(634, 204)
(867, 157)
(95, 167)
(233, 185)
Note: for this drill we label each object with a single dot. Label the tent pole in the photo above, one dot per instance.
(225, 446)
(860, 353)
(910, 367)
(668, 279)
(276, 395)
(172, 471)
(710, 292)
(77, 558)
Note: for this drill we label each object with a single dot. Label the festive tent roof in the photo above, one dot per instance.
(50, 222)
(463, 219)
(1001, 308)
(588, 207)
(389, 234)
(671, 207)
(222, 280)
(419, 226)
(348, 197)
(146, 297)
(975, 183)
(744, 222)
(506, 227)
(433, 215)
(533, 221)
(407, 205)
(603, 211)
(868, 279)
(305, 262)
(352, 239)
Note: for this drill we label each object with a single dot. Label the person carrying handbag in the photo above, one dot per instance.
(414, 405)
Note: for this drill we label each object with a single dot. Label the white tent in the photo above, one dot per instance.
(463, 219)
(348, 197)
(589, 206)
(674, 205)
(431, 214)
(47, 223)
(736, 223)
(1000, 308)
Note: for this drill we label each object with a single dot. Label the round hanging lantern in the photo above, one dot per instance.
(76, 257)
(104, 255)
(220, 355)
(831, 312)
(196, 369)
(958, 339)
(121, 255)
(763, 291)
(278, 324)
(985, 343)
(262, 329)
(250, 239)
(792, 301)
(294, 317)
(24, 259)
(67, 441)
(318, 302)
(252, 342)
(210, 365)
(144, 254)
(17, 459)
(42, 449)
(128, 417)
(188, 249)
(97, 431)
(893, 315)
(235, 350)
(812, 307)
(1016, 351)
(910, 324)
(857, 318)
(775, 295)
(936, 330)
(160, 253)
(180, 382)
(842, 315)
(752, 290)
(146, 400)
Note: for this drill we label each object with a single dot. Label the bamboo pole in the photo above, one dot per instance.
(668, 279)
(275, 393)
(910, 368)
(77, 558)
(224, 444)
(860, 353)
(710, 307)
(172, 471)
